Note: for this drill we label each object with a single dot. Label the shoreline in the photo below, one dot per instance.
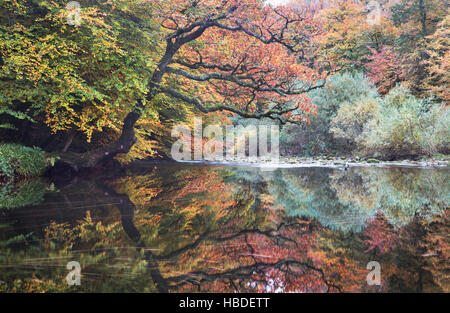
(287, 162)
(340, 163)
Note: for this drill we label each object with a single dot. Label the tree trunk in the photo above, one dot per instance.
(69, 141)
(423, 18)
(127, 139)
(127, 209)
(91, 159)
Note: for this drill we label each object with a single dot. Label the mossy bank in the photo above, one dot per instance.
(19, 162)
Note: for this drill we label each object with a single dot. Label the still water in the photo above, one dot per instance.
(194, 228)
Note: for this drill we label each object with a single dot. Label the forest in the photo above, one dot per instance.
(341, 78)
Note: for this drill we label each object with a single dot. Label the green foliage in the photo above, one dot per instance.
(347, 200)
(20, 161)
(25, 193)
(435, 135)
(398, 125)
(349, 123)
(15, 240)
(406, 126)
(341, 88)
(416, 20)
(83, 78)
(401, 96)
(16, 114)
(315, 137)
(438, 49)
(308, 193)
(348, 37)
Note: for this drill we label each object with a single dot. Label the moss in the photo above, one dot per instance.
(373, 161)
(18, 161)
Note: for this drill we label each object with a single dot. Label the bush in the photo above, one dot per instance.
(19, 161)
(406, 126)
(315, 137)
(348, 124)
(340, 89)
(435, 137)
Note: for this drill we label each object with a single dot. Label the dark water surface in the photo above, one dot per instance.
(200, 228)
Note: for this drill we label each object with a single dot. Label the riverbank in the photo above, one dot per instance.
(330, 162)
(19, 162)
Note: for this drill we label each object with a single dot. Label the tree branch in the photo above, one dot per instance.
(272, 114)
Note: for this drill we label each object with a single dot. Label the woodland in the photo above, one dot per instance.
(343, 77)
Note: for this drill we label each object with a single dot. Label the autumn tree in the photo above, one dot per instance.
(116, 72)
(416, 20)
(384, 69)
(251, 71)
(438, 62)
(348, 35)
(75, 80)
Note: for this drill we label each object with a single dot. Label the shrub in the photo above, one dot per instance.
(315, 137)
(20, 161)
(348, 124)
(340, 89)
(406, 126)
(435, 136)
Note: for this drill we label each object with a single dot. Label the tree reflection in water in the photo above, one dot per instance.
(198, 228)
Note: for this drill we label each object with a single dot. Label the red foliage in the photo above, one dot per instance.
(381, 235)
(240, 56)
(384, 69)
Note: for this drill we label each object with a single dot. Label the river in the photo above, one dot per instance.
(198, 228)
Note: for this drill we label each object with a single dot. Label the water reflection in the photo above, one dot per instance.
(178, 228)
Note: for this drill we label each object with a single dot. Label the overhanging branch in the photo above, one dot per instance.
(241, 80)
(271, 114)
